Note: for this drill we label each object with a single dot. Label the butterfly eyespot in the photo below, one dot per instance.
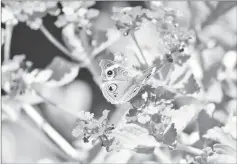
(112, 87)
(110, 73)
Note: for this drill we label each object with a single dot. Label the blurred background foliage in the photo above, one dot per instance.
(213, 62)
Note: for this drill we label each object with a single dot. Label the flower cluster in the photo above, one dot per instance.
(172, 39)
(153, 117)
(77, 12)
(31, 12)
(128, 19)
(219, 154)
(90, 129)
(13, 75)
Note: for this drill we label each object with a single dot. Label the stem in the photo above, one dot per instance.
(167, 79)
(7, 46)
(53, 104)
(162, 157)
(189, 149)
(53, 40)
(35, 133)
(141, 55)
(102, 47)
(51, 132)
(91, 67)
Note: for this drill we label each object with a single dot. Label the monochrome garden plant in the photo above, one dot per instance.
(172, 81)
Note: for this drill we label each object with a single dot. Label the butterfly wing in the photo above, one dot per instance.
(105, 63)
(121, 87)
(145, 75)
(112, 70)
(118, 92)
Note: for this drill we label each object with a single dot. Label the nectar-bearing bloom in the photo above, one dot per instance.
(31, 12)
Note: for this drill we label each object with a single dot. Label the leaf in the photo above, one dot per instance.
(220, 10)
(133, 136)
(212, 56)
(219, 154)
(131, 116)
(64, 72)
(134, 129)
(163, 94)
(144, 149)
(177, 75)
(190, 86)
(214, 92)
(205, 122)
(202, 159)
(43, 76)
(182, 59)
(210, 74)
(221, 158)
(30, 97)
(230, 88)
(11, 108)
(217, 134)
(167, 137)
(184, 115)
(224, 149)
(170, 136)
(230, 126)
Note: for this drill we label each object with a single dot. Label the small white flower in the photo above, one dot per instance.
(82, 12)
(152, 109)
(8, 16)
(35, 25)
(145, 96)
(143, 118)
(85, 115)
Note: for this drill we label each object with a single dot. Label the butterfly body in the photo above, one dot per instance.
(119, 83)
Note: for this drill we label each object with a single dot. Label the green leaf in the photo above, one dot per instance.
(63, 72)
(144, 149)
(220, 10)
(217, 134)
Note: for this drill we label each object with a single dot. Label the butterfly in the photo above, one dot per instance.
(120, 84)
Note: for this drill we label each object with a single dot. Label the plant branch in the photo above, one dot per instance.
(7, 46)
(53, 104)
(90, 65)
(189, 149)
(162, 157)
(41, 137)
(53, 40)
(167, 79)
(51, 132)
(141, 55)
(102, 47)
